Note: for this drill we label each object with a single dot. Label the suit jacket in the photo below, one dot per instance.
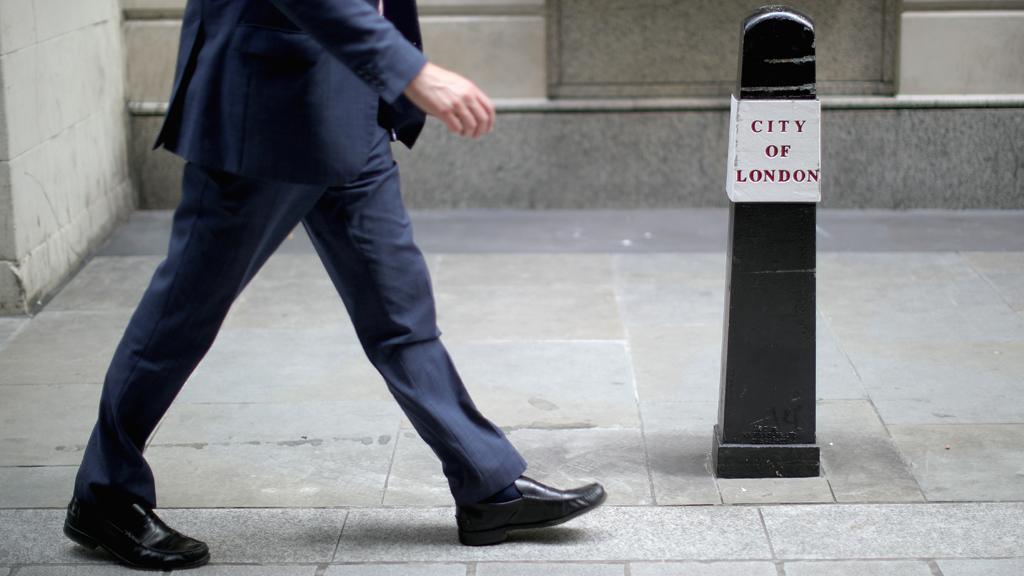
(292, 90)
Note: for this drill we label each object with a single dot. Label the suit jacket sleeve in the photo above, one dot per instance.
(357, 35)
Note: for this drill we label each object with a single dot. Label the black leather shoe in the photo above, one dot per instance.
(134, 535)
(540, 506)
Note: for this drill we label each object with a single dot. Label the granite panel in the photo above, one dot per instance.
(859, 568)
(896, 531)
(982, 567)
(548, 569)
(691, 47)
(702, 569)
(875, 158)
(931, 64)
(425, 569)
(610, 533)
(263, 535)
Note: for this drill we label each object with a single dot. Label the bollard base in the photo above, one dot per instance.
(764, 460)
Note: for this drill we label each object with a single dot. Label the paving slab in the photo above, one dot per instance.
(859, 457)
(560, 457)
(34, 537)
(896, 531)
(549, 569)
(523, 270)
(105, 569)
(284, 365)
(677, 363)
(859, 568)
(835, 375)
(63, 348)
(300, 422)
(684, 363)
(430, 569)
(1005, 271)
(297, 302)
(42, 424)
(923, 383)
(550, 384)
(982, 567)
(574, 457)
(965, 462)
(909, 298)
(107, 283)
(608, 534)
(9, 326)
(263, 536)
(236, 570)
(702, 569)
(528, 313)
(416, 477)
(677, 436)
(346, 472)
(653, 293)
(36, 486)
(774, 490)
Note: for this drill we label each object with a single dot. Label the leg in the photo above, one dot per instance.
(224, 229)
(362, 233)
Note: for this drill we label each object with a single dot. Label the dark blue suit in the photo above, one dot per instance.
(283, 110)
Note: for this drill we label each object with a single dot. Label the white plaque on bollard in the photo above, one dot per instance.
(774, 151)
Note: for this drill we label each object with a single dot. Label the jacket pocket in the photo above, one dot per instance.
(276, 45)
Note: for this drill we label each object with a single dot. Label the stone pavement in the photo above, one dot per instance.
(593, 339)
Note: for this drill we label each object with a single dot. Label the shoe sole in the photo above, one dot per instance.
(499, 535)
(90, 543)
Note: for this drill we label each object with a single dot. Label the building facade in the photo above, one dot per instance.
(603, 104)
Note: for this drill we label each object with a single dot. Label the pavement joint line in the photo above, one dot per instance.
(767, 536)
(341, 533)
(984, 277)
(391, 462)
(896, 447)
(639, 412)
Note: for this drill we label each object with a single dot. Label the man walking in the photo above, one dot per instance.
(284, 111)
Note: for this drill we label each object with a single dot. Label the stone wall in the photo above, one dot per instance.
(621, 103)
(64, 178)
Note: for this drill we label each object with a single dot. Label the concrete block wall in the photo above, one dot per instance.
(64, 173)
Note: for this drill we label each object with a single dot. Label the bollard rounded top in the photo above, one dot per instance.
(777, 55)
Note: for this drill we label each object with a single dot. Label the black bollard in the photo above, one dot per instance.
(766, 419)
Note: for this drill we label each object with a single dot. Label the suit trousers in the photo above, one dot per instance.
(224, 229)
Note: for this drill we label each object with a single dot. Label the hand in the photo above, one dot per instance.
(454, 100)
